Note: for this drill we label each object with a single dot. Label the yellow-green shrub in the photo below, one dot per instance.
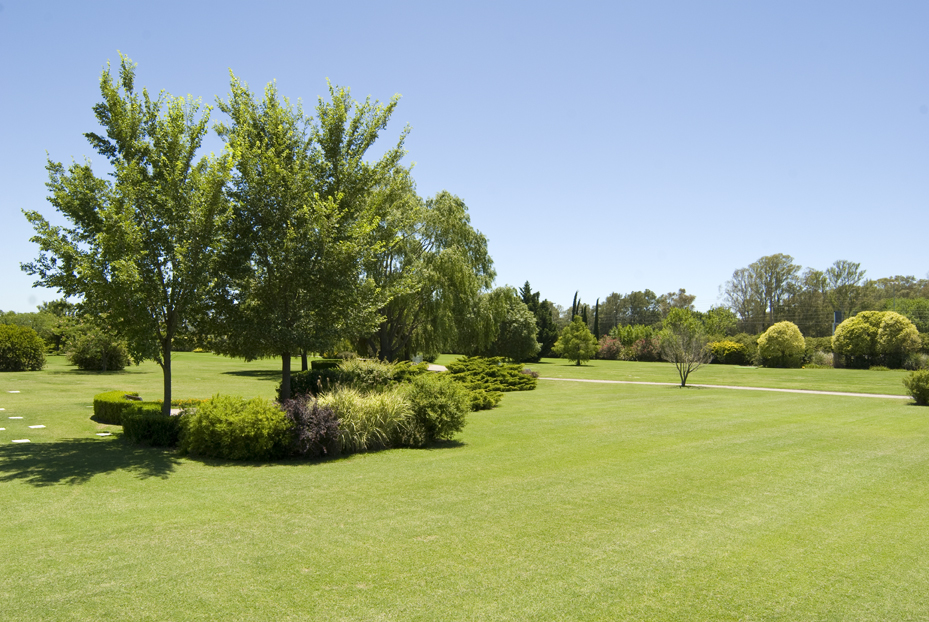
(233, 428)
(728, 352)
(781, 345)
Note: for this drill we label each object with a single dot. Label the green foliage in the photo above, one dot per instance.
(876, 337)
(21, 349)
(816, 344)
(372, 421)
(325, 363)
(362, 374)
(729, 352)
(629, 334)
(576, 342)
(610, 349)
(544, 312)
(720, 322)
(233, 428)
(782, 345)
(303, 219)
(94, 349)
(140, 244)
(683, 342)
(439, 404)
(917, 384)
(916, 360)
(897, 338)
(145, 424)
(490, 374)
(109, 407)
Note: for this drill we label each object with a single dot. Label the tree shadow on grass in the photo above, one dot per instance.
(255, 373)
(77, 460)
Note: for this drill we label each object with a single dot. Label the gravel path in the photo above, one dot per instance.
(724, 386)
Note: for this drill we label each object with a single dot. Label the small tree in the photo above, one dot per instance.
(576, 342)
(782, 345)
(684, 343)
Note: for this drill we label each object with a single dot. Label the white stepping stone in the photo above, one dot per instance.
(2, 408)
(15, 417)
(2, 429)
(12, 391)
(103, 434)
(20, 440)
(36, 427)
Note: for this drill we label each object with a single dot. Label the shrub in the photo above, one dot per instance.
(647, 350)
(915, 361)
(821, 359)
(373, 421)
(728, 352)
(876, 338)
(362, 374)
(21, 349)
(897, 338)
(611, 349)
(484, 400)
(781, 345)
(314, 428)
(143, 423)
(325, 363)
(628, 335)
(110, 406)
(97, 350)
(814, 345)
(917, 384)
(439, 404)
(490, 374)
(233, 428)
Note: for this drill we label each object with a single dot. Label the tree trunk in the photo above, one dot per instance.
(303, 362)
(285, 376)
(166, 371)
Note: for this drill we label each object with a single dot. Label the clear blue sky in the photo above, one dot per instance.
(600, 146)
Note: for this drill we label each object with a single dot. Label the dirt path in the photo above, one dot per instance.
(725, 386)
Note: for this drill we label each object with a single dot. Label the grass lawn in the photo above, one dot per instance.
(844, 380)
(571, 502)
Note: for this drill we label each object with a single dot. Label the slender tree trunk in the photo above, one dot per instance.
(166, 370)
(285, 376)
(303, 361)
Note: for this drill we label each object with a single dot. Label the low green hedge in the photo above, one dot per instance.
(144, 423)
(110, 406)
(233, 428)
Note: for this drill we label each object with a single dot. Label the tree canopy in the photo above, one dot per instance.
(141, 247)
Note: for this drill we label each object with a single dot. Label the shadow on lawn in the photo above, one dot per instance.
(77, 460)
(255, 373)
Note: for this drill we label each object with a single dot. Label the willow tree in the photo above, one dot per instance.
(432, 263)
(141, 247)
(302, 223)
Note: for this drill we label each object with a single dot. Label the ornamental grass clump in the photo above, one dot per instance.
(368, 422)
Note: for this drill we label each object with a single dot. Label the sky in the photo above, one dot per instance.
(600, 146)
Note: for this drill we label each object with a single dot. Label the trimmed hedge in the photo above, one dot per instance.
(109, 407)
(143, 423)
(21, 349)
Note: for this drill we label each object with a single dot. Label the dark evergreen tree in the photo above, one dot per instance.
(544, 312)
(597, 320)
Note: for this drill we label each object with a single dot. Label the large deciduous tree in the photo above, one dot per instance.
(761, 293)
(302, 224)
(431, 262)
(141, 247)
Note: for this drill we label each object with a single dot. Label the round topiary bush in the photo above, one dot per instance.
(876, 338)
(782, 345)
(21, 349)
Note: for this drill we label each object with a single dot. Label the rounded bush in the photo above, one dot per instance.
(897, 338)
(439, 404)
(21, 349)
(876, 338)
(781, 345)
(917, 384)
(233, 428)
(96, 350)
